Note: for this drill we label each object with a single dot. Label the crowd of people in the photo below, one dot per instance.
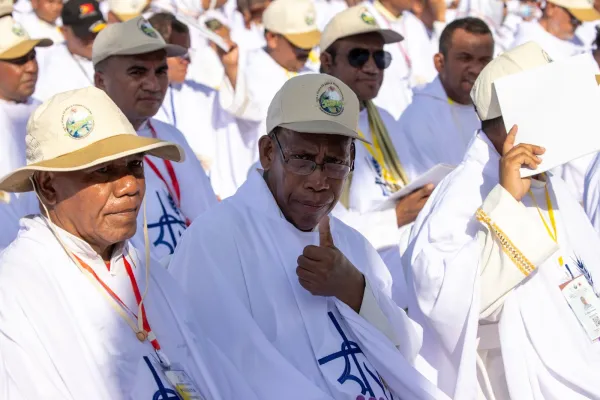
(201, 199)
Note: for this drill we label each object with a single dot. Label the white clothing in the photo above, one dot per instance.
(206, 67)
(486, 316)
(591, 194)
(13, 127)
(23, 7)
(327, 9)
(168, 216)
(247, 39)
(492, 12)
(586, 33)
(212, 133)
(61, 339)
(556, 48)
(247, 239)
(367, 192)
(18, 206)
(435, 129)
(38, 29)
(61, 71)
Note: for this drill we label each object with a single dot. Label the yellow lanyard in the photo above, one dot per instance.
(290, 74)
(553, 236)
(375, 151)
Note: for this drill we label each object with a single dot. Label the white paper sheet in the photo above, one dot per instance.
(434, 176)
(556, 106)
(200, 24)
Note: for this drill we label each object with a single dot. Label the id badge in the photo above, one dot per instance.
(585, 305)
(183, 384)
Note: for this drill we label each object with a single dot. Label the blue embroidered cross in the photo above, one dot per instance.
(167, 222)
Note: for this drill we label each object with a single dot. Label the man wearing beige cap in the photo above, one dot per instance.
(493, 260)
(555, 31)
(85, 315)
(130, 59)
(291, 33)
(352, 49)
(316, 289)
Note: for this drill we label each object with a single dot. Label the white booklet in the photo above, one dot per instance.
(200, 25)
(556, 106)
(435, 175)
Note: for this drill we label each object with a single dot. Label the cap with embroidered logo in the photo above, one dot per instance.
(583, 10)
(127, 9)
(80, 129)
(315, 103)
(6, 7)
(355, 21)
(129, 38)
(83, 16)
(483, 94)
(295, 20)
(14, 40)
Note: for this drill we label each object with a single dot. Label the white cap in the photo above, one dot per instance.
(526, 56)
(295, 20)
(6, 7)
(583, 10)
(127, 9)
(355, 21)
(315, 103)
(129, 38)
(15, 42)
(77, 130)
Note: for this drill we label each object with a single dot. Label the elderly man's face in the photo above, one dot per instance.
(99, 204)
(304, 199)
(137, 84)
(18, 77)
(364, 80)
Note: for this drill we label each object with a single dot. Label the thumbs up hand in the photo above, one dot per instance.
(324, 271)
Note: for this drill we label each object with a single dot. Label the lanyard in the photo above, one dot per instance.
(81, 68)
(377, 154)
(553, 236)
(142, 328)
(399, 44)
(290, 74)
(176, 192)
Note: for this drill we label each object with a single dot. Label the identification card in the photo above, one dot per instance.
(585, 305)
(183, 384)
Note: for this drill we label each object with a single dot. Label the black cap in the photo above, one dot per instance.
(83, 16)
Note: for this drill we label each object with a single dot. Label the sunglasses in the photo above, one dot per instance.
(574, 21)
(359, 57)
(22, 60)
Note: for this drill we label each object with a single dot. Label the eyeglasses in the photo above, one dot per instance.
(304, 167)
(22, 60)
(574, 21)
(359, 57)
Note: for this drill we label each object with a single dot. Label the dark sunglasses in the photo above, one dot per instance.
(22, 60)
(574, 21)
(359, 57)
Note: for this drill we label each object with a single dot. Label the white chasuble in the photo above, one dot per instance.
(247, 241)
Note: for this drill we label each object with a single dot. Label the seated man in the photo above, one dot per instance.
(83, 311)
(497, 265)
(311, 284)
(441, 121)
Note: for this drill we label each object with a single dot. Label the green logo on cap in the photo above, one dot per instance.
(147, 29)
(330, 99)
(309, 19)
(78, 121)
(18, 30)
(367, 17)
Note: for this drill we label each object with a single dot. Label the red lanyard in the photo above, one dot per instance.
(402, 50)
(138, 297)
(176, 192)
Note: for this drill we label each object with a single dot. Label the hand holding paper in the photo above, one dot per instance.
(409, 207)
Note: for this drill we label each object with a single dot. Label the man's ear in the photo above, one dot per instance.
(45, 188)
(326, 62)
(272, 40)
(266, 151)
(439, 61)
(99, 80)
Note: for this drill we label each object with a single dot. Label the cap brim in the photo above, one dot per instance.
(305, 41)
(324, 127)
(390, 36)
(84, 30)
(126, 17)
(102, 151)
(24, 47)
(585, 14)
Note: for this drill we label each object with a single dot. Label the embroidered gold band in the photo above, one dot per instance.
(524, 265)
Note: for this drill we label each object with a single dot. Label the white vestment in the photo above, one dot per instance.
(490, 323)
(212, 133)
(587, 33)
(591, 194)
(435, 129)
(61, 71)
(61, 339)
(556, 48)
(367, 192)
(327, 9)
(13, 128)
(247, 239)
(168, 215)
(38, 29)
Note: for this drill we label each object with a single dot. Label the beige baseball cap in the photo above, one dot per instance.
(526, 56)
(79, 129)
(127, 9)
(583, 10)
(15, 42)
(315, 103)
(295, 20)
(355, 21)
(129, 38)
(6, 7)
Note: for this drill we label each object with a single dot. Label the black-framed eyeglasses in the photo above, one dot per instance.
(305, 167)
(359, 57)
(575, 22)
(22, 60)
